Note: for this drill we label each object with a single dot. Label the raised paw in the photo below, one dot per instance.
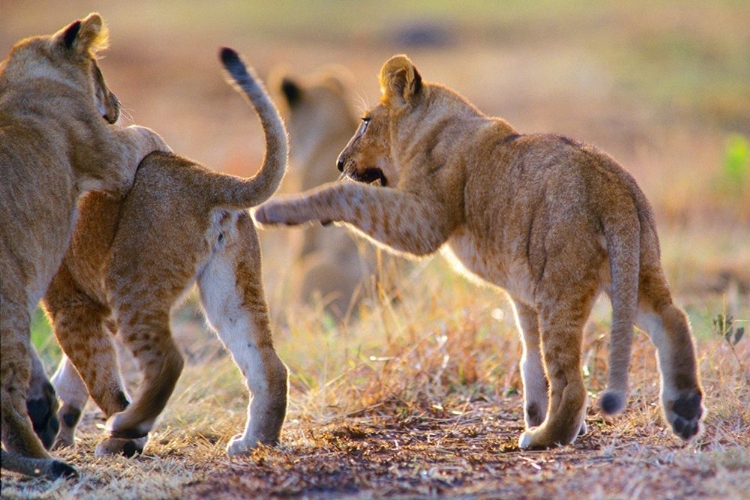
(276, 212)
(127, 447)
(684, 415)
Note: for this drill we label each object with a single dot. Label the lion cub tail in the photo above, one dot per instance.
(242, 193)
(622, 235)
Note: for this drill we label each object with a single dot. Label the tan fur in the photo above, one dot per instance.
(331, 264)
(130, 260)
(54, 147)
(550, 220)
(328, 265)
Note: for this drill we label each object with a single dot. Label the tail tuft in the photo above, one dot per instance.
(245, 193)
(612, 402)
(229, 57)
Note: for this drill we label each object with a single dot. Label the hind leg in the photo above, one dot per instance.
(535, 386)
(23, 451)
(668, 327)
(15, 368)
(532, 369)
(41, 403)
(233, 298)
(74, 395)
(90, 356)
(562, 321)
(145, 330)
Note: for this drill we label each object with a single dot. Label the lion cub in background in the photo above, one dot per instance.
(552, 221)
(320, 119)
(55, 145)
(332, 265)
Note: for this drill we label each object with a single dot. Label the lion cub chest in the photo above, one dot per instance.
(487, 260)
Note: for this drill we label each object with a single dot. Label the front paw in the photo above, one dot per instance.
(278, 212)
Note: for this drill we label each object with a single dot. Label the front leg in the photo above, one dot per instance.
(404, 221)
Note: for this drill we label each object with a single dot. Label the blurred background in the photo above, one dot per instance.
(662, 86)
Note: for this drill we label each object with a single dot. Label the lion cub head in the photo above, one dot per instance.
(409, 108)
(69, 57)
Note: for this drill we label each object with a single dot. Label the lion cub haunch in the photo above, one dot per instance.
(56, 144)
(131, 259)
(551, 221)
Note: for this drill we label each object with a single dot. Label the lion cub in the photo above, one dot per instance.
(55, 145)
(552, 221)
(132, 258)
(320, 118)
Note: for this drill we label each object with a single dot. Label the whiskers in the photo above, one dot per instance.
(126, 119)
(362, 104)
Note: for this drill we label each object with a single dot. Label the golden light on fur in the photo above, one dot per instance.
(51, 103)
(399, 81)
(87, 36)
(128, 259)
(551, 221)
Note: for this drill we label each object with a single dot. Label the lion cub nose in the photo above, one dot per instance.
(340, 163)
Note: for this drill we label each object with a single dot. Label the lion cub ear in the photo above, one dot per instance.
(85, 36)
(400, 82)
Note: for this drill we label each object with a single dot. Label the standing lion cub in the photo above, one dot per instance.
(55, 145)
(552, 221)
(132, 258)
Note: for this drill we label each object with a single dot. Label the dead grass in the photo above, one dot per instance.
(395, 407)
(422, 397)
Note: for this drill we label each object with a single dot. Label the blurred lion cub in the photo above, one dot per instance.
(552, 221)
(320, 119)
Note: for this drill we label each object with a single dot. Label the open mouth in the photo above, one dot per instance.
(370, 176)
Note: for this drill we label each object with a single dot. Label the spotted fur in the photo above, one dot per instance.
(55, 145)
(551, 221)
(130, 260)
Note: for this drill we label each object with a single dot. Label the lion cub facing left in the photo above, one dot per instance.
(552, 221)
(54, 147)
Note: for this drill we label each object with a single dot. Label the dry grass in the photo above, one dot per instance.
(422, 397)
(394, 407)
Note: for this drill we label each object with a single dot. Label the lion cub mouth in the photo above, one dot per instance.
(372, 176)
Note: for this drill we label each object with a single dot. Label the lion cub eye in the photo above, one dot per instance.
(363, 127)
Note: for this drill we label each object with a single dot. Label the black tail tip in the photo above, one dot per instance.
(612, 402)
(229, 56)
